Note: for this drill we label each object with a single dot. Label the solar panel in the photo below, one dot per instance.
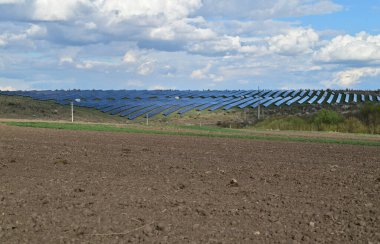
(303, 100)
(378, 98)
(303, 93)
(287, 93)
(370, 98)
(363, 98)
(270, 93)
(223, 104)
(295, 99)
(134, 109)
(238, 103)
(330, 98)
(347, 100)
(158, 110)
(320, 101)
(338, 100)
(143, 111)
(295, 93)
(189, 108)
(249, 102)
(282, 101)
(278, 93)
(313, 99)
(260, 101)
(268, 103)
(355, 98)
(172, 110)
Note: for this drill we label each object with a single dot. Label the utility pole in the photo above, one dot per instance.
(258, 107)
(72, 112)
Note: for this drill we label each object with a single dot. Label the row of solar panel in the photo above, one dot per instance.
(151, 103)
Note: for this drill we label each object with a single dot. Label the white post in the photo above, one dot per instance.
(72, 112)
(147, 119)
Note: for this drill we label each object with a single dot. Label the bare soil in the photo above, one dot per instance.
(91, 187)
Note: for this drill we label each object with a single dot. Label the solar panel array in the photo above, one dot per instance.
(141, 103)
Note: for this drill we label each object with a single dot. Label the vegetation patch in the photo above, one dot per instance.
(112, 128)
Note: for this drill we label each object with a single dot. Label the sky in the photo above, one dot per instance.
(189, 44)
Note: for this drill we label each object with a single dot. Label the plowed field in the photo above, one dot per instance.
(61, 186)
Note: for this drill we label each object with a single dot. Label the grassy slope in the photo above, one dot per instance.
(221, 133)
(13, 107)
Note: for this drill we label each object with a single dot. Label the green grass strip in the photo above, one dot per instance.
(111, 128)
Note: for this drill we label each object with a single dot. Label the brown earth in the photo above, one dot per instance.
(91, 187)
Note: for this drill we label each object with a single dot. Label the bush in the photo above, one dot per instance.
(327, 119)
(352, 125)
(289, 123)
(370, 115)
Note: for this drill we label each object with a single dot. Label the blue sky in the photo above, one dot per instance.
(189, 44)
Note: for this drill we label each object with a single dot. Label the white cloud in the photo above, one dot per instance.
(52, 10)
(7, 88)
(351, 77)
(130, 57)
(11, 1)
(205, 73)
(33, 31)
(345, 48)
(266, 9)
(161, 87)
(170, 9)
(66, 60)
(146, 68)
(294, 42)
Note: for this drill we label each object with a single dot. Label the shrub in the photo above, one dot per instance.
(352, 125)
(289, 123)
(370, 115)
(327, 119)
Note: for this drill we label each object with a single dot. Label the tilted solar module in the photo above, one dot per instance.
(295, 99)
(143, 111)
(231, 105)
(355, 98)
(263, 92)
(159, 110)
(287, 93)
(330, 98)
(282, 101)
(313, 99)
(339, 98)
(310, 93)
(123, 108)
(255, 99)
(303, 100)
(261, 101)
(112, 107)
(320, 101)
(270, 93)
(215, 107)
(172, 110)
(363, 97)
(370, 98)
(207, 105)
(270, 102)
(278, 93)
(378, 98)
(347, 99)
(191, 107)
(303, 93)
(134, 109)
(294, 93)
